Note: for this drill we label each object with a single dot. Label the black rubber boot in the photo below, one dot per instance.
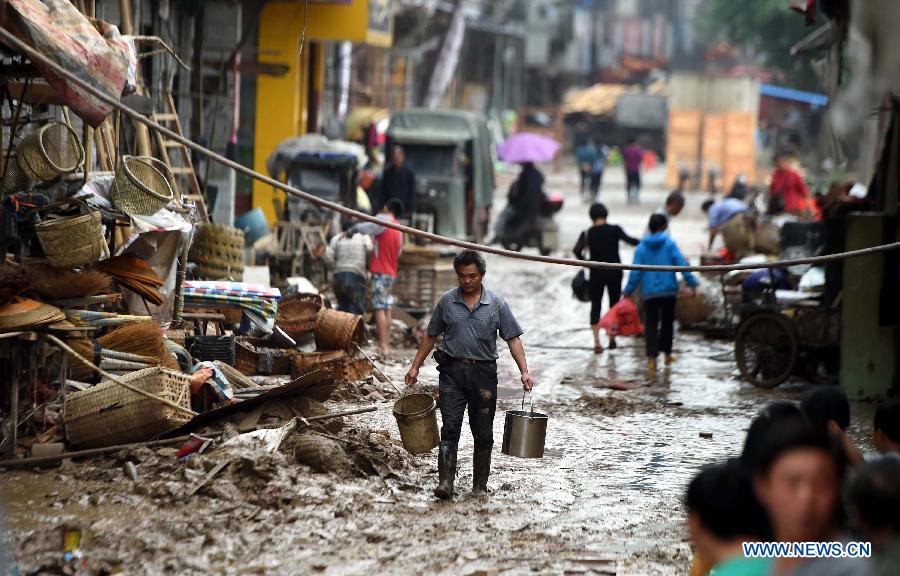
(481, 469)
(446, 471)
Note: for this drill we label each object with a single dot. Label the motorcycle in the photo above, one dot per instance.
(514, 232)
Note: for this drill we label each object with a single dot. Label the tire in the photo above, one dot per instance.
(545, 251)
(766, 349)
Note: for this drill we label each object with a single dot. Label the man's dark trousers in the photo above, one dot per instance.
(474, 385)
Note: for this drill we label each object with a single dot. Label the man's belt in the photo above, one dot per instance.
(470, 361)
(441, 357)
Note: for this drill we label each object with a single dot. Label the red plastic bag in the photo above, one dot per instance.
(622, 319)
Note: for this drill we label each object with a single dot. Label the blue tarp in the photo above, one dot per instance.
(810, 98)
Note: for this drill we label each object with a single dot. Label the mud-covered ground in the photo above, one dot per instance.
(604, 499)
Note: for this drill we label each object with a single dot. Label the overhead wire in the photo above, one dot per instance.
(35, 56)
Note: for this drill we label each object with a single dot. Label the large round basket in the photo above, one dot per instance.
(50, 152)
(218, 252)
(298, 313)
(140, 187)
(73, 241)
(338, 330)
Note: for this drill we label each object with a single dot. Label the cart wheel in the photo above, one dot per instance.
(545, 251)
(766, 349)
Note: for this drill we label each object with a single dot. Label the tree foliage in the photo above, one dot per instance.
(768, 28)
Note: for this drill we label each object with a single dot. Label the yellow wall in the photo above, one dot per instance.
(282, 101)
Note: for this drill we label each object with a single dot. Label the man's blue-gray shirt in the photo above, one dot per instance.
(472, 334)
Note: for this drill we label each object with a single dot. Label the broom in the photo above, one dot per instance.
(56, 284)
(138, 338)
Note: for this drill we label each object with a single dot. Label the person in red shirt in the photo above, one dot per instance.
(384, 268)
(788, 191)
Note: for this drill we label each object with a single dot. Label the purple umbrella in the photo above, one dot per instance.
(524, 147)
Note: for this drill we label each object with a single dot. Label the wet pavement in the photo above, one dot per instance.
(605, 499)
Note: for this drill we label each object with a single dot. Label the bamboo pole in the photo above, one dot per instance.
(141, 133)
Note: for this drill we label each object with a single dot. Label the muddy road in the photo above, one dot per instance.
(605, 499)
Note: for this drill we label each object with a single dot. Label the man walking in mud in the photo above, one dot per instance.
(469, 317)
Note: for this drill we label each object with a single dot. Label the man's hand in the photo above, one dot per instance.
(412, 376)
(527, 381)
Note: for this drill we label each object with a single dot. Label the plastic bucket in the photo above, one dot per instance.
(416, 416)
(524, 433)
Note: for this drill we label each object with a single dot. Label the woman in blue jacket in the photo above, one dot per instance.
(660, 289)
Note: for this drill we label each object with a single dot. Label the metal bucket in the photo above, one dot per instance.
(416, 416)
(524, 432)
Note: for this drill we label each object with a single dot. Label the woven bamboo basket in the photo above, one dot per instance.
(50, 152)
(218, 252)
(167, 173)
(333, 362)
(298, 314)
(108, 414)
(15, 179)
(692, 309)
(179, 335)
(357, 368)
(209, 348)
(338, 330)
(140, 187)
(245, 357)
(252, 357)
(73, 241)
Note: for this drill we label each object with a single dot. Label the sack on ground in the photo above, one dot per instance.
(580, 287)
(622, 319)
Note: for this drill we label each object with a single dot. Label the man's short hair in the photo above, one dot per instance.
(773, 415)
(658, 223)
(598, 210)
(874, 494)
(823, 403)
(707, 204)
(468, 257)
(722, 497)
(675, 198)
(887, 418)
(395, 206)
(789, 436)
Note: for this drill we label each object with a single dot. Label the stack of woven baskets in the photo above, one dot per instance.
(218, 252)
(22, 313)
(300, 314)
(303, 317)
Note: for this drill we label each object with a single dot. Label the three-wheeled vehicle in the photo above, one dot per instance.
(450, 152)
(325, 168)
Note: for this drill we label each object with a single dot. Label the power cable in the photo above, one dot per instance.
(36, 56)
